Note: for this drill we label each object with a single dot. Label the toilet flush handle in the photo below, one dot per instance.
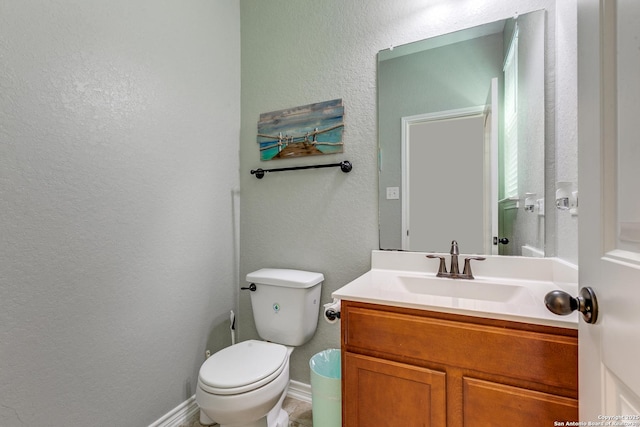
(252, 287)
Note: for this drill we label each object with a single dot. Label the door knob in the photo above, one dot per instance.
(560, 302)
(502, 240)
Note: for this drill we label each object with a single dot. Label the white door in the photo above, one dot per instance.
(439, 149)
(609, 222)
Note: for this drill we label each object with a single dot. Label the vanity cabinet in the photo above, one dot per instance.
(409, 367)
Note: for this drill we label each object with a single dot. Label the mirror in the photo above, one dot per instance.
(461, 128)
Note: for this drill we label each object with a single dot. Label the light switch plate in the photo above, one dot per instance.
(393, 193)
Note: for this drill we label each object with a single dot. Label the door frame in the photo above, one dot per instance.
(406, 123)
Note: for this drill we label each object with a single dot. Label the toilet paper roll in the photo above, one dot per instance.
(332, 311)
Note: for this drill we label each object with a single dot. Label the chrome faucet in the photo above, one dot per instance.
(454, 272)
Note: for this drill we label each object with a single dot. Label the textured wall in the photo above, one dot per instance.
(118, 157)
(296, 53)
(302, 51)
(565, 162)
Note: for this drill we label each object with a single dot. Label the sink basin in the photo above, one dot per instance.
(507, 288)
(457, 288)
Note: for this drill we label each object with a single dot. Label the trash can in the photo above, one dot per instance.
(326, 392)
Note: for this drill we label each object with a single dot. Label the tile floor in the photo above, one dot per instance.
(299, 414)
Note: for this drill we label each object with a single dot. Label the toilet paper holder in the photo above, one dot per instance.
(332, 314)
(332, 311)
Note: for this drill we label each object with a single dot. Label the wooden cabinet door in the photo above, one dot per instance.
(488, 404)
(382, 392)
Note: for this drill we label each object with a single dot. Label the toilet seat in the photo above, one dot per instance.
(242, 367)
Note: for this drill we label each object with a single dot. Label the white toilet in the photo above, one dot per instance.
(245, 384)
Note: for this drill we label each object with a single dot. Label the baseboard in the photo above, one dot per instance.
(300, 391)
(178, 415)
(187, 409)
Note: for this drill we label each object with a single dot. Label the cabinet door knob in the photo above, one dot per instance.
(560, 302)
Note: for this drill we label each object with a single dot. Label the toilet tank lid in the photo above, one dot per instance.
(285, 277)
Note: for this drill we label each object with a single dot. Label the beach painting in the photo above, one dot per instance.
(302, 131)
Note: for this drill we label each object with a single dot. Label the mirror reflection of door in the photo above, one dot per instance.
(444, 183)
(507, 218)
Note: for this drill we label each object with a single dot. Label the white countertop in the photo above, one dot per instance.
(534, 277)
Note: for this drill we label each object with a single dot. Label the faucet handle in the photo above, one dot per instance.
(454, 248)
(467, 266)
(442, 268)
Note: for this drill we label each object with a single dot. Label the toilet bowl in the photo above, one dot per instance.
(244, 385)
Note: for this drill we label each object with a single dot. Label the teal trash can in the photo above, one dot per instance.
(326, 392)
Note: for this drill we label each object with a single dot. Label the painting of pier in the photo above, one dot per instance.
(302, 131)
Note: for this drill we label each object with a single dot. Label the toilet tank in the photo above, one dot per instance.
(286, 304)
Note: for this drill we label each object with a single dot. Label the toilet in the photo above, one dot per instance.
(245, 384)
